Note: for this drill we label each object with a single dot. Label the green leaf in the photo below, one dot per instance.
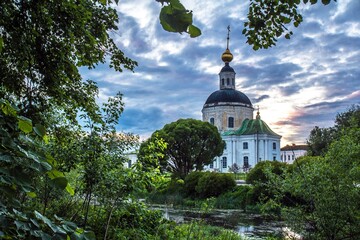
(164, 19)
(1, 44)
(60, 182)
(175, 4)
(70, 190)
(174, 20)
(325, 2)
(46, 166)
(194, 31)
(286, 20)
(55, 173)
(46, 221)
(40, 130)
(24, 124)
(287, 36)
(31, 194)
(8, 109)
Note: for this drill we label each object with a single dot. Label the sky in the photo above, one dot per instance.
(298, 84)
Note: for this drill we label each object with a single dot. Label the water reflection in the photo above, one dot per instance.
(246, 224)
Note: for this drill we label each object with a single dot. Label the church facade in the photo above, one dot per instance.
(248, 140)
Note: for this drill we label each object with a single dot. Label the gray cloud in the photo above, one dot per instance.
(159, 93)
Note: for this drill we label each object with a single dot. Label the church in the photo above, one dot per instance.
(248, 140)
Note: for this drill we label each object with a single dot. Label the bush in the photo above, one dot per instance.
(131, 221)
(214, 184)
(196, 230)
(170, 193)
(191, 181)
(241, 197)
(258, 178)
(257, 174)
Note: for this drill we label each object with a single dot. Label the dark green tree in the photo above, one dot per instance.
(320, 139)
(42, 44)
(328, 190)
(191, 144)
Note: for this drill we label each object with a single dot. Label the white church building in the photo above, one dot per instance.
(248, 140)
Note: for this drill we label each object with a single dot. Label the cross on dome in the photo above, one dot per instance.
(227, 55)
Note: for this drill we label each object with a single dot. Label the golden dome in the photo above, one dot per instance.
(227, 56)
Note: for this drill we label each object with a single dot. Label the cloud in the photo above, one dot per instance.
(298, 84)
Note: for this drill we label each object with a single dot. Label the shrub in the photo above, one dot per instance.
(241, 197)
(259, 179)
(257, 174)
(214, 184)
(190, 183)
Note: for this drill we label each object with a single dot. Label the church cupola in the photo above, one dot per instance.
(227, 73)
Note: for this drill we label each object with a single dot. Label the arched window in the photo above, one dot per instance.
(227, 81)
(245, 145)
(233, 82)
(224, 162)
(231, 122)
(246, 162)
(222, 81)
(274, 145)
(212, 121)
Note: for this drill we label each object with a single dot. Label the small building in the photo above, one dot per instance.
(131, 158)
(290, 153)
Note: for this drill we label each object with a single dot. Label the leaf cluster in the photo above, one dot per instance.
(267, 20)
(43, 43)
(174, 17)
(23, 161)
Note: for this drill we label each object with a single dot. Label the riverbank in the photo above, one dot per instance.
(246, 224)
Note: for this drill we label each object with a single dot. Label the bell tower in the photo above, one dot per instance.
(227, 73)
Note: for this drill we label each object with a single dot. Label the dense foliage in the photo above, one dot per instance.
(25, 166)
(207, 184)
(191, 144)
(320, 139)
(42, 45)
(324, 190)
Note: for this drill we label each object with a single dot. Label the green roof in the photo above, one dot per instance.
(251, 127)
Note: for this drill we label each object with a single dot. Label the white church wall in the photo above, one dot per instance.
(235, 152)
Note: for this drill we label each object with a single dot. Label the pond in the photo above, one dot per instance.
(246, 224)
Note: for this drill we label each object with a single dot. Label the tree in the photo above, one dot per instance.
(151, 154)
(25, 161)
(328, 190)
(42, 44)
(191, 144)
(320, 139)
(266, 20)
(324, 191)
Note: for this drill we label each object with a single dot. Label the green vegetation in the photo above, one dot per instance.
(195, 230)
(191, 144)
(60, 180)
(322, 193)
